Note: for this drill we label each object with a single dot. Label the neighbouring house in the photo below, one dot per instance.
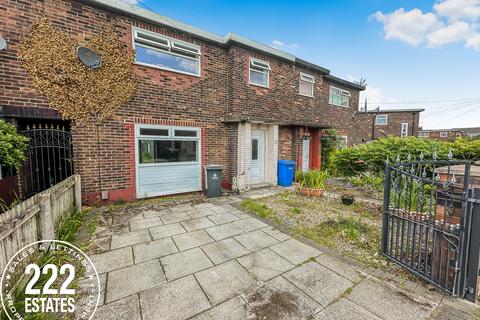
(376, 124)
(202, 99)
(470, 132)
(441, 134)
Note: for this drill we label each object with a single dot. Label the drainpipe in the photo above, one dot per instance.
(373, 123)
(413, 123)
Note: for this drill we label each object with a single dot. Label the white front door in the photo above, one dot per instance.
(257, 163)
(305, 154)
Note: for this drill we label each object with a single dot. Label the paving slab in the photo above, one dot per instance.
(279, 299)
(175, 217)
(154, 249)
(192, 239)
(124, 309)
(240, 214)
(219, 209)
(198, 213)
(177, 300)
(340, 267)
(130, 238)
(222, 218)
(344, 309)
(320, 283)
(145, 223)
(295, 251)
(250, 224)
(156, 213)
(277, 234)
(112, 260)
(224, 250)
(181, 208)
(203, 205)
(225, 281)
(233, 309)
(223, 231)
(166, 231)
(256, 240)
(197, 224)
(125, 282)
(388, 303)
(183, 263)
(265, 264)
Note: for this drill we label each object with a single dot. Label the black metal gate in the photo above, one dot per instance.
(429, 211)
(49, 157)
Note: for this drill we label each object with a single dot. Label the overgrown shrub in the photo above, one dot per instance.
(368, 181)
(371, 157)
(12, 145)
(331, 141)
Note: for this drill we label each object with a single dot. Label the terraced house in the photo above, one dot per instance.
(202, 99)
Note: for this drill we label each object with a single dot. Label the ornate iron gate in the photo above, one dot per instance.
(49, 157)
(427, 219)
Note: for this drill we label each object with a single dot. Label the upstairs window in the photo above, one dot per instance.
(339, 97)
(162, 52)
(259, 72)
(381, 120)
(305, 87)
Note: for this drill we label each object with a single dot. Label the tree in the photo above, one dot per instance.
(12, 145)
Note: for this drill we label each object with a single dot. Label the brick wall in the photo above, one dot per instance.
(393, 127)
(436, 134)
(105, 156)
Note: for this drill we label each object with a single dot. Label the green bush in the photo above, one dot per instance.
(314, 178)
(12, 145)
(371, 157)
(368, 181)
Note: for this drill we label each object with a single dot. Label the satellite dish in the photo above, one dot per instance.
(89, 57)
(3, 43)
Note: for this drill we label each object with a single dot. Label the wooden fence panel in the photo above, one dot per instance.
(21, 225)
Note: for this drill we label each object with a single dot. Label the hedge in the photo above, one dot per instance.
(371, 157)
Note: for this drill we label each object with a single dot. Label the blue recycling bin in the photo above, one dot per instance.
(286, 169)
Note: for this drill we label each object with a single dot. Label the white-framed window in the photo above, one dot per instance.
(404, 129)
(424, 134)
(259, 72)
(168, 145)
(381, 119)
(343, 143)
(443, 134)
(339, 97)
(158, 51)
(306, 84)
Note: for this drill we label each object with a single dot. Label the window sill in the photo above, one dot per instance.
(166, 69)
(259, 85)
(306, 95)
(337, 105)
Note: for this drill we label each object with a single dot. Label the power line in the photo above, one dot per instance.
(432, 101)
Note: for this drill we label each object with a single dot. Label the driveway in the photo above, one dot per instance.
(210, 260)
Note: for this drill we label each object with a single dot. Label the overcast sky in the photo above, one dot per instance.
(412, 53)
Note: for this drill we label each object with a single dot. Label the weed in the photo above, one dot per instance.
(296, 210)
(261, 209)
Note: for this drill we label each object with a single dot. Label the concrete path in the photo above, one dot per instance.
(212, 261)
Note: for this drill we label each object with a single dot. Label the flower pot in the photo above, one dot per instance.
(348, 200)
(311, 192)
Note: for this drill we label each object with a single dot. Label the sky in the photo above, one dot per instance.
(413, 54)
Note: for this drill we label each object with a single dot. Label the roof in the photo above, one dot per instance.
(148, 16)
(472, 129)
(437, 130)
(393, 110)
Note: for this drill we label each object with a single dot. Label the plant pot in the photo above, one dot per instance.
(348, 200)
(311, 192)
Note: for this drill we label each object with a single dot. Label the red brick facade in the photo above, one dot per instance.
(393, 127)
(222, 92)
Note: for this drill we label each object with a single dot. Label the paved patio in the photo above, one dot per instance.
(210, 260)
